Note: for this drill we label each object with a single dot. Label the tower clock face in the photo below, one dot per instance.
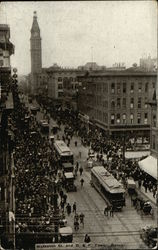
(35, 34)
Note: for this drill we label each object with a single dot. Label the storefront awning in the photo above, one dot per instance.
(149, 165)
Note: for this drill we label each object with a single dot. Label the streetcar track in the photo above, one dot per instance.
(119, 217)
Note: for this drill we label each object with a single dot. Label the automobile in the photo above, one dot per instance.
(44, 126)
(55, 128)
(65, 234)
(149, 235)
(69, 182)
(131, 186)
(90, 163)
(51, 138)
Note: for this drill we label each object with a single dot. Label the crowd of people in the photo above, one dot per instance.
(102, 144)
(37, 167)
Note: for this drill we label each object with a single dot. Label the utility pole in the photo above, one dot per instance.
(54, 202)
(92, 54)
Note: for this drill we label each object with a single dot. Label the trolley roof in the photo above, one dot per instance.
(62, 147)
(107, 180)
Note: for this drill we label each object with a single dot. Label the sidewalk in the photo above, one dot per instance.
(148, 195)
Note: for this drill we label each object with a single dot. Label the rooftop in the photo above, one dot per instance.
(118, 73)
(4, 27)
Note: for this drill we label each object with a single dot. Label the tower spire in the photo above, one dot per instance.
(35, 26)
(36, 52)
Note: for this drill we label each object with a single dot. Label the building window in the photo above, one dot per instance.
(71, 79)
(124, 87)
(60, 86)
(118, 88)
(59, 79)
(105, 117)
(146, 103)
(139, 118)
(132, 87)
(132, 103)
(145, 118)
(139, 87)
(153, 142)
(146, 87)
(105, 87)
(118, 118)
(124, 102)
(124, 118)
(105, 104)
(113, 88)
(60, 94)
(113, 104)
(1, 63)
(112, 119)
(139, 103)
(118, 102)
(131, 118)
(154, 121)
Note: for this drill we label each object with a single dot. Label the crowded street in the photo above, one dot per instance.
(78, 125)
(123, 227)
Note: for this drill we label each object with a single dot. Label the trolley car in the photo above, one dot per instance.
(109, 188)
(63, 152)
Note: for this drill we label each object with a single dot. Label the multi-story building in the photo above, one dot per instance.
(36, 54)
(63, 85)
(7, 202)
(150, 164)
(117, 101)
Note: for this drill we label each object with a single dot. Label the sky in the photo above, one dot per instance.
(76, 32)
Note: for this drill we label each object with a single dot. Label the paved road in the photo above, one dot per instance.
(123, 228)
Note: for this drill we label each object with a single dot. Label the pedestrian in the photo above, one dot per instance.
(154, 191)
(75, 171)
(77, 165)
(106, 211)
(111, 211)
(76, 217)
(146, 187)
(65, 198)
(75, 143)
(62, 204)
(81, 170)
(82, 219)
(82, 181)
(76, 225)
(139, 183)
(74, 207)
(61, 193)
(68, 209)
(87, 239)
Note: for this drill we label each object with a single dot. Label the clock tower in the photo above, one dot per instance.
(36, 57)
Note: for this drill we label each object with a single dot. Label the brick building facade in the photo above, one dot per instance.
(117, 102)
(7, 187)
